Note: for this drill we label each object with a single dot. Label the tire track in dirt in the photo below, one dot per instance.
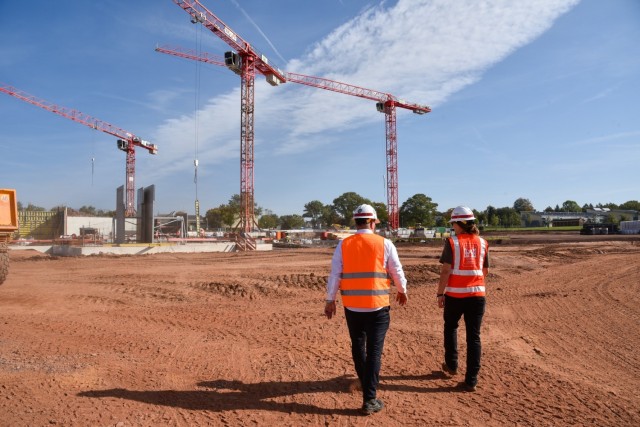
(558, 310)
(147, 357)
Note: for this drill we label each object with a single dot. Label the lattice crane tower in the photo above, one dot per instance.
(126, 142)
(245, 61)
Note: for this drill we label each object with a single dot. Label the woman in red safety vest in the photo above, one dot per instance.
(461, 292)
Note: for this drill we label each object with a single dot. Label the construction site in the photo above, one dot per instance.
(148, 319)
(240, 339)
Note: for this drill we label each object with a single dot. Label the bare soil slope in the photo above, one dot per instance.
(240, 339)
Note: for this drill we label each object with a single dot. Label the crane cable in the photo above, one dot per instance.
(196, 123)
(197, 105)
(93, 155)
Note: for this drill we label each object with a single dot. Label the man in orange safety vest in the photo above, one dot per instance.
(361, 269)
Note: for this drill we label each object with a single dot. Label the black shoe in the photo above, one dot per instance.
(372, 406)
(466, 387)
(447, 370)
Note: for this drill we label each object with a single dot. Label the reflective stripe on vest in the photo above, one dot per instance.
(467, 278)
(364, 281)
(364, 275)
(361, 292)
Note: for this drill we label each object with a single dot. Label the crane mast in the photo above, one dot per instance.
(245, 61)
(385, 103)
(126, 142)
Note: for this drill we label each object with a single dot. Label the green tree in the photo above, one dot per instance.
(509, 217)
(381, 211)
(492, 216)
(329, 216)
(632, 205)
(418, 209)
(235, 204)
(88, 210)
(269, 220)
(571, 206)
(291, 222)
(522, 205)
(345, 204)
(314, 210)
(214, 218)
(611, 219)
(221, 217)
(31, 207)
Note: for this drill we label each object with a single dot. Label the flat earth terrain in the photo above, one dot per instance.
(240, 339)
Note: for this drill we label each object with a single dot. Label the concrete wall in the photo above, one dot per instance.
(103, 224)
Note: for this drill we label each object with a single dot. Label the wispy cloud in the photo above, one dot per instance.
(257, 27)
(423, 51)
(600, 95)
(609, 138)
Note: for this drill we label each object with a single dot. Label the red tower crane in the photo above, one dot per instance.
(245, 61)
(126, 142)
(385, 103)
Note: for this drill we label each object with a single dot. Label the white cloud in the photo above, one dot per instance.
(419, 50)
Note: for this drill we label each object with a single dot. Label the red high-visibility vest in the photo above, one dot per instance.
(364, 280)
(466, 278)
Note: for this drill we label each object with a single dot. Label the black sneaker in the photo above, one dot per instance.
(447, 370)
(372, 406)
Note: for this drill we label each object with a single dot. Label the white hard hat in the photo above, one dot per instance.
(366, 212)
(462, 214)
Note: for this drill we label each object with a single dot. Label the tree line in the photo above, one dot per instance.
(417, 210)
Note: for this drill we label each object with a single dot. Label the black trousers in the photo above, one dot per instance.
(472, 309)
(367, 331)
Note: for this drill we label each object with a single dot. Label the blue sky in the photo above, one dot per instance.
(530, 99)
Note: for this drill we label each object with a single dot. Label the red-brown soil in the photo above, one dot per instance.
(240, 339)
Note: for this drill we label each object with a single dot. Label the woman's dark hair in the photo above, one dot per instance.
(469, 227)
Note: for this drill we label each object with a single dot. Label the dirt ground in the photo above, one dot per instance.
(240, 339)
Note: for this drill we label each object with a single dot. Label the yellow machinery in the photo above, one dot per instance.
(8, 226)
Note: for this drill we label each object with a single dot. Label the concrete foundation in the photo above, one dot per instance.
(137, 249)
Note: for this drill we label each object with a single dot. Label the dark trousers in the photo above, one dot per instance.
(367, 331)
(472, 309)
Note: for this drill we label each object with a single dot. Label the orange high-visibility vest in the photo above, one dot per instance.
(364, 280)
(467, 279)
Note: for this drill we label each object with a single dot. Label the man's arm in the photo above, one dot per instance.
(333, 283)
(394, 268)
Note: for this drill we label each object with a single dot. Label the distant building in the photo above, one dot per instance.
(594, 216)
